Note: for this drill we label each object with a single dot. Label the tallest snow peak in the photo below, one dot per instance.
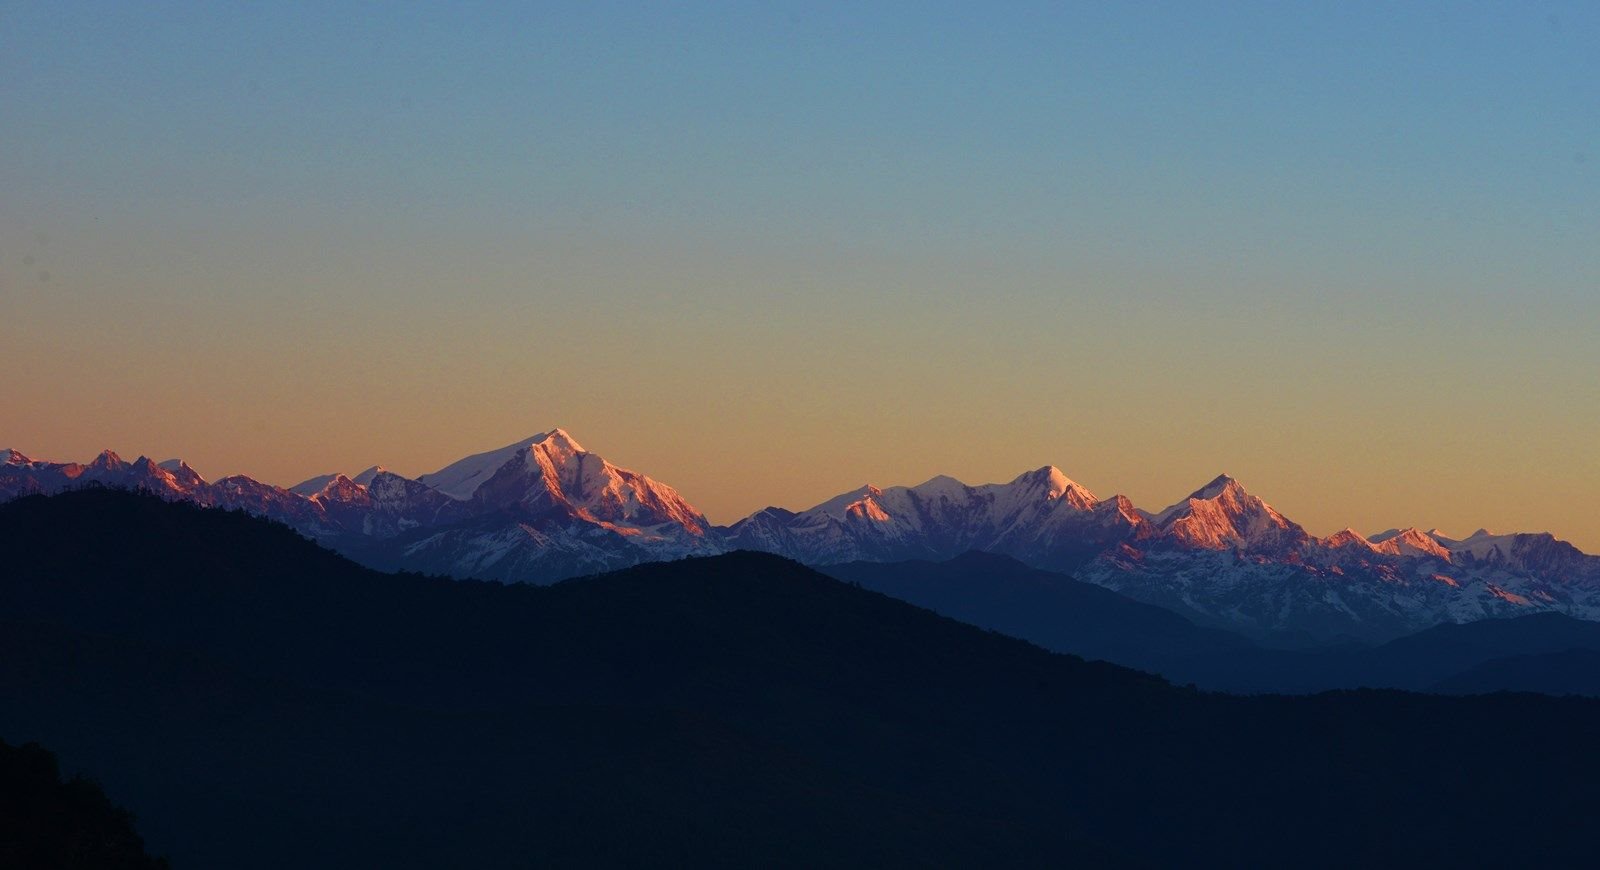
(1217, 487)
(108, 460)
(1056, 484)
(461, 479)
(1221, 515)
(1054, 479)
(559, 438)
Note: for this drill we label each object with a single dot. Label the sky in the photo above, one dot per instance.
(1348, 253)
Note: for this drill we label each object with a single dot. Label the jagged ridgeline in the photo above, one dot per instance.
(544, 509)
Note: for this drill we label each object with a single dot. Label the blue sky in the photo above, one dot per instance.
(1145, 242)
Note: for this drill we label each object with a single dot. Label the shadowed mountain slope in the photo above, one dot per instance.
(1568, 672)
(1052, 610)
(261, 702)
(1063, 615)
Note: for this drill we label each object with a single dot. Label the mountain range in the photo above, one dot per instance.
(539, 510)
(259, 701)
(1545, 651)
(544, 509)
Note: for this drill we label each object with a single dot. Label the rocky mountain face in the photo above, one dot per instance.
(544, 509)
(540, 510)
(1222, 556)
(1042, 518)
(549, 510)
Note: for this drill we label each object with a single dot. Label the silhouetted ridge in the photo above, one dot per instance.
(1574, 671)
(1054, 611)
(46, 821)
(231, 683)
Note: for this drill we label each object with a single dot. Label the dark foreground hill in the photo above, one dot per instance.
(259, 702)
(48, 822)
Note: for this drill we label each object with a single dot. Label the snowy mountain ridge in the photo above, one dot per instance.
(545, 508)
(538, 510)
(1221, 556)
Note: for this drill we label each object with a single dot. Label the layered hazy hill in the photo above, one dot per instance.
(259, 701)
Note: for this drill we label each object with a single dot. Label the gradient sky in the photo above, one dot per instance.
(1348, 253)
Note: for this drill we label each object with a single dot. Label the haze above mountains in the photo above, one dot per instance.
(545, 508)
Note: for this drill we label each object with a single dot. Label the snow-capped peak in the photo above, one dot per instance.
(311, 486)
(1223, 483)
(460, 479)
(107, 459)
(315, 485)
(341, 489)
(556, 450)
(1444, 540)
(1222, 486)
(558, 439)
(1121, 507)
(1038, 487)
(1484, 544)
(867, 509)
(1348, 538)
(1056, 484)
(1412, 542)
(552, 472)
(14, 457)
(183, 473)
(171, 478)
(839, 505)
(941, 485)
(1222, 514)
